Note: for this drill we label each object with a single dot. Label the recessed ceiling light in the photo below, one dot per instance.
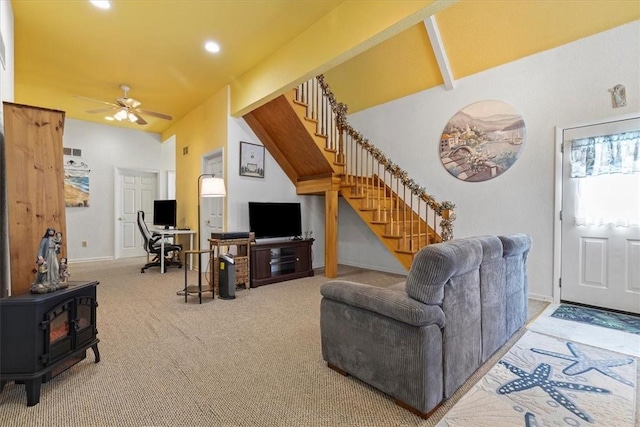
(102, 4)
(212, 47)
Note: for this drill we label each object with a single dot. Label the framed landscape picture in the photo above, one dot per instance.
(482, 141)
(251, 160)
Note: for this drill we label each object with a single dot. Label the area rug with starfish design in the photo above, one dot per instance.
(549, 381)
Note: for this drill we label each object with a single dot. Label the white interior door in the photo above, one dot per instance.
(212, 208)
(600, 265)
(135, 190)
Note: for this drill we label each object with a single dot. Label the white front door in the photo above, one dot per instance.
(600, 264)
(135, 190)
(212, 212)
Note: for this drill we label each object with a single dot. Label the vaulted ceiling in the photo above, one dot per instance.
(65, 48)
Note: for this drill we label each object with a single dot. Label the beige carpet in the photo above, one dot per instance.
(252, 361)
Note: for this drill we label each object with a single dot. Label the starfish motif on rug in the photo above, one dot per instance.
(583, 363)
(540, 378)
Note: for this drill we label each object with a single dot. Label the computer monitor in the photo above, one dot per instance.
(164, 213)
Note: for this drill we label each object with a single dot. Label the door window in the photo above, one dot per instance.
(607, 170)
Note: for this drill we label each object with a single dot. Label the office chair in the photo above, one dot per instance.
(153, 246)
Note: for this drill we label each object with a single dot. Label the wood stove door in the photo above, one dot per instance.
(58, 334)
(85, 320)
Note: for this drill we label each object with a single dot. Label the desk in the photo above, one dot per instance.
(172, 232)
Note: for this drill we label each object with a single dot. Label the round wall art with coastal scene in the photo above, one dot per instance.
(482, 141)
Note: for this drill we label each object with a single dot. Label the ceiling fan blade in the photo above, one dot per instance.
(95, 100)
(140, 120)
(101, 110)
(154, 114)
(128, 102)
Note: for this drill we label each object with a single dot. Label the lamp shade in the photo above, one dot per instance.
(212, 187)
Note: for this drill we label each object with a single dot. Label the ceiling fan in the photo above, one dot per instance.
(125, 108)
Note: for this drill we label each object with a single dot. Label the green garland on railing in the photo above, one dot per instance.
(340, 110)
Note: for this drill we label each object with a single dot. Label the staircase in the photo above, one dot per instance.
(306, 132)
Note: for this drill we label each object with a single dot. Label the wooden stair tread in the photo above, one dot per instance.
(392, 236)
(403, 251)
(374, 199)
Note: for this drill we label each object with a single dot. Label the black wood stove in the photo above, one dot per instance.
(42, 335)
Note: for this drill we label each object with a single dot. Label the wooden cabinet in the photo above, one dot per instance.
(279, 261)
(34, 179)
(241, 259)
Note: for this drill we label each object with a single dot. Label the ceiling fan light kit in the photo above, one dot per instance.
(120, 115)
(126, 108)
(101, 4)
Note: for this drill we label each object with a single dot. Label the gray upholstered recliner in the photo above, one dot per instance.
(420, 340)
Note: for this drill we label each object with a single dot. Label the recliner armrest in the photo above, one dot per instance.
(390, 303)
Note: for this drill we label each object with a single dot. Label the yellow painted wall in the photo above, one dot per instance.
(346, 31)
(202, 131)
(470, 34)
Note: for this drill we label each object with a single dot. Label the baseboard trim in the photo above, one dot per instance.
(81, 260)
(538, 297)
(374, 268)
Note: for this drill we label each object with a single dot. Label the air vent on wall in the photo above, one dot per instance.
(76, 152)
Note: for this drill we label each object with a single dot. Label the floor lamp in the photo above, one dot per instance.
(208, 186)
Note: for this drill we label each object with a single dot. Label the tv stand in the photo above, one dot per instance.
(274, 262)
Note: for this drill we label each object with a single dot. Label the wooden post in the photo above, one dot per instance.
(331, 234)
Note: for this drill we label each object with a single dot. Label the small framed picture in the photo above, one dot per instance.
(251, 160)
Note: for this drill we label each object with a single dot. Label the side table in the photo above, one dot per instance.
(241, 260)
(196, 289)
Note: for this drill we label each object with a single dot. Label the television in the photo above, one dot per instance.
(164, 213)
(275, 219)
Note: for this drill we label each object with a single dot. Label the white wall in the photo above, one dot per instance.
(6, 94)
(168, 164)
(358, 246)
(6, 72)
(104, 148)
(563, 86)
(274, 187)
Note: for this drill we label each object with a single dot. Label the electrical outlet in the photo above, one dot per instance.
(84, 243)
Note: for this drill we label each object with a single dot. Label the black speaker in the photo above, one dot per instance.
(227, 277)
